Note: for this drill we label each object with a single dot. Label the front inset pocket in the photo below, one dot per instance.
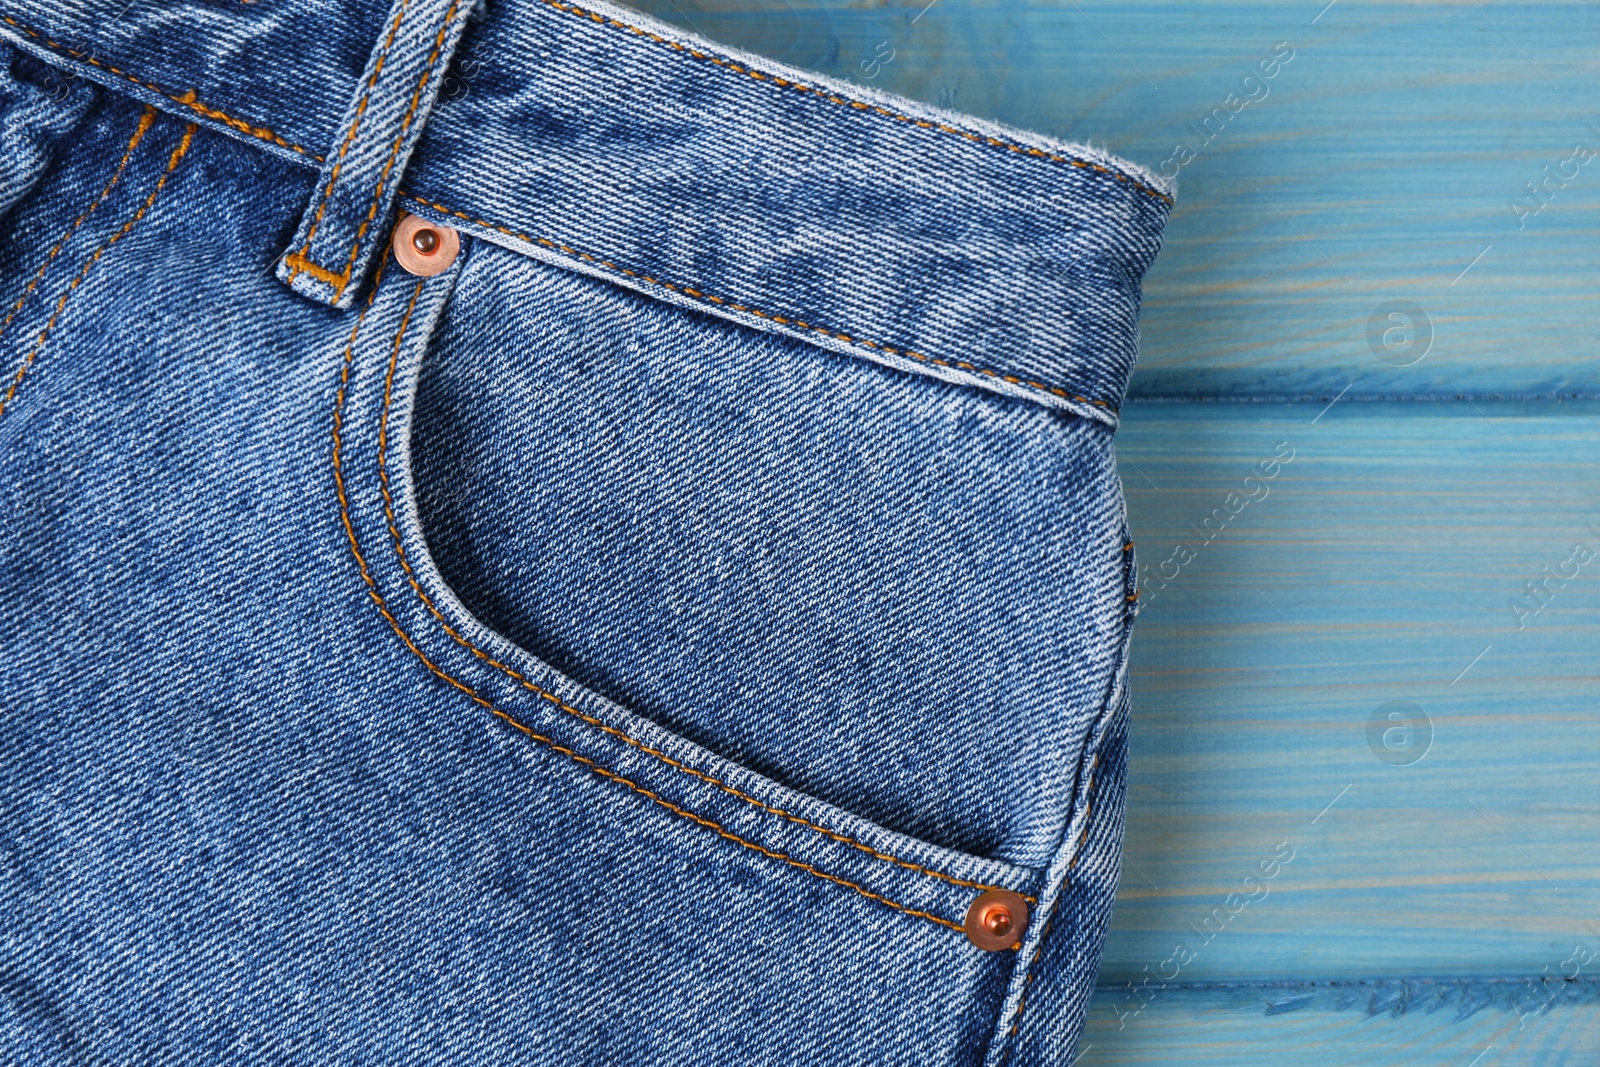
(899, 596)
(638, 855)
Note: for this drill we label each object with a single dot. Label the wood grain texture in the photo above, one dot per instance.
(1378, 166)
(1270, 1026)
(1377, 565)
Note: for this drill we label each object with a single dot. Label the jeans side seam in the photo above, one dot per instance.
(145, 121)
(1058, 877)
(860, 105)
(1038, 948)
(782, 320)
(172, 165)
(478, 698)
(188, 99)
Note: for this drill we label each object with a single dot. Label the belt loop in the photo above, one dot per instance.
(354, 194)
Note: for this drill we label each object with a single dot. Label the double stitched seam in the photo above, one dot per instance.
(341, 280)
(528, 684)
(350, 134)
(783, 320)
(187, 99)
(860, 105)
(172, 165)
(1011, 1035)
(1038, 949)
(116, 175)
(383, 608)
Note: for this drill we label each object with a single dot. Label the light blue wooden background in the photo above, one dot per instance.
(1430, 909)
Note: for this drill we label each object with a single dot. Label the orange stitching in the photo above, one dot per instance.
(172, 164)
(860, 106)
(188, 99)
(350, 134)
(1022, 1001)
(528, 684)
(341, 281)
(394, 149)
(696, 294)
(298, 263)
(116, 175)
(721, 832)
(383, 608)
(1038, 948)
(1088, 812)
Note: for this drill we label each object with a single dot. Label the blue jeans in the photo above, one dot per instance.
(688, 626)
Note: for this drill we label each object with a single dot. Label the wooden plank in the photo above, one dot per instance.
(1417, 1024)
(1387, 561)
(1377, 165)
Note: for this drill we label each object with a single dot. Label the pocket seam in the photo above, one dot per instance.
(528, 684)
(476, 697)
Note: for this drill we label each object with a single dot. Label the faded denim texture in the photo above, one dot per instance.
(640, 643)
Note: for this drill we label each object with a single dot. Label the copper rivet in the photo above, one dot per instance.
(424, 248)
(997, 920)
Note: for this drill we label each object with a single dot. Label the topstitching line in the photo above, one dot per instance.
(477, 697)
(784, 320)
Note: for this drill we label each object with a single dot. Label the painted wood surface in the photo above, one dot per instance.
(1415, 1024)
(1389, 560)
(1413, 558)
(1385, 567)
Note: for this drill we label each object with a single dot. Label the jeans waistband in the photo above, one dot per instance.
(596, 137)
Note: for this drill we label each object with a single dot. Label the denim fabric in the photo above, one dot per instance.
(575, 657)
(341, 231)
(36, 114)
(592, 137)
